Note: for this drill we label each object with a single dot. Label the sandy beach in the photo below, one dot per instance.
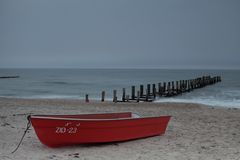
(195, 132)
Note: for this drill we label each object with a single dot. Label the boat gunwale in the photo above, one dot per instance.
(46, 117)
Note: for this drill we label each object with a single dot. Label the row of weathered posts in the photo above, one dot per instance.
(165, 89)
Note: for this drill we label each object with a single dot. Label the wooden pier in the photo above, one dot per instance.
(162, 89)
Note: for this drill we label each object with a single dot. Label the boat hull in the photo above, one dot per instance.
(61, 131)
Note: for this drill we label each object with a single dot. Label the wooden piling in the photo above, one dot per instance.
(181, 86)
(123, 95)
(133, 93)
(148, 89)
(188, 85)
(141, 90)
(86, 98)
(154, 90)
(191, 84)
(168, 86)
(115, 96)
(147, 95)
(173, 86)
(159, 89)
(138, 96)
(196, 83)
(185, 85)
(177, 87)
(103, 96)
(164, 87)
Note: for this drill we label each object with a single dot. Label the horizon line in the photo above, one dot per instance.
(166, 68)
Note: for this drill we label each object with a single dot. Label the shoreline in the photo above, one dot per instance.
(195, 131)
(96, 100)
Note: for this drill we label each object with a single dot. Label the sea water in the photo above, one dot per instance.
(75, 83)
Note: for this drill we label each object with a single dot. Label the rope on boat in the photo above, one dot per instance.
(27, 128)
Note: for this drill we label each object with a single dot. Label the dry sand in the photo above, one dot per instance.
(194, 132)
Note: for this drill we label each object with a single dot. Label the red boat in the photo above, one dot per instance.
(61, 130)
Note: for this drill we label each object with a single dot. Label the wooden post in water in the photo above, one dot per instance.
(208, 80)
(168, 89)
(186, 89)
(199, 82)
(181, 86)
(189, 88)
(115, 96)
(177, 87)
(185, 85)
(123, 95)
(147, 95)
(141, 90)
(148, 89)
(154, 90)
(195, 83)
(133, 92)
(173, 88)
(164, 87)
(191, 84)
(159, 89)
(138, 96)
(212, 80)
(205, 80)
(103, 96)
(86, 98)
(202, 82)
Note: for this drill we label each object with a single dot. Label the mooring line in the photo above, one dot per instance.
(27, 128)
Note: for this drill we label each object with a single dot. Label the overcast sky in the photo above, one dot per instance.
(120, 33)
